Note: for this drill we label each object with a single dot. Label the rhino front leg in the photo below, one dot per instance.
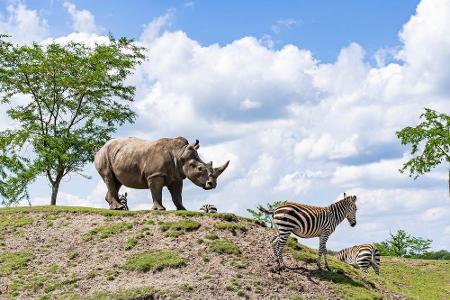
(112, 196)
(175, 190)
(156, 185)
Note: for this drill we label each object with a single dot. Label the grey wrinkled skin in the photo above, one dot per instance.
(142, 164)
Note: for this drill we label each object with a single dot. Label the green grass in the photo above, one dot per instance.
(415, 278)
(57, 209)
(224, 246)
(106, 231)
(154, 260)
(235, 285)
(174, 234)
(233, 227)
(14, 221)
(185, 225)
(128, 294)
(186, 287)
(346, 281)
(131, 242)
(239, 263)
(73, 254)
(12, 261)
(211, 237)
(36, 284)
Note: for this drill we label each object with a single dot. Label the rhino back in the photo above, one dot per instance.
(134, 160)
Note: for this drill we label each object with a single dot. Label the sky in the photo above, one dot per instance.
(303, 98)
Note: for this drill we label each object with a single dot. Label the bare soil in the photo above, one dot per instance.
(86, 266)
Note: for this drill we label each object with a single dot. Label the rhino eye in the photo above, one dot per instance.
(200, 168)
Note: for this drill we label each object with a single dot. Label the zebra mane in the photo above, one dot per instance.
(337, 208)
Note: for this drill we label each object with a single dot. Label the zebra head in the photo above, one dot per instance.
(351, 209)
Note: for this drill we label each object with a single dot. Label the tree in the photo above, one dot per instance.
(72, 98)
(434, 131)
(403, 244)
(262, 217)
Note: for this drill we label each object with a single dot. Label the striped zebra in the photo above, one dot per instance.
(123, 200)
(362, 256)
(208, 208)
(308, 221)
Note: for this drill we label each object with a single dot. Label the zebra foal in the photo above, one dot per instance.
(362, 256)
(123, 200)
(307, 221)
(208, 208)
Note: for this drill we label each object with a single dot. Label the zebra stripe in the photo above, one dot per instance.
(307, 221)
(123, 200)
(361, 256)
(208, 208)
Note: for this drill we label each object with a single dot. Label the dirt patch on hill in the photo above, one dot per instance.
(76, 254)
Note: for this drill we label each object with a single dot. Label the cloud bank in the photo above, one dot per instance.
(294, 128)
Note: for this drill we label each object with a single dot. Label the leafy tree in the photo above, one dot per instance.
(260, 216)
(71, 99)
(434, 131)
(403, 244)
(441, 254)
(418, 246)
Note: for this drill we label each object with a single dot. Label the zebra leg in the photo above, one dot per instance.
(376, 269)
(323, 250)
(278, 244)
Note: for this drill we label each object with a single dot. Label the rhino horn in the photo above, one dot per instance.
(196, 145)
(222, 168)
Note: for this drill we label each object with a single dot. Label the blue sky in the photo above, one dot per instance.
(304, 98)
(324, 27)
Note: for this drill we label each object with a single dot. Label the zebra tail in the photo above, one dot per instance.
(266, 211)
(374, 252)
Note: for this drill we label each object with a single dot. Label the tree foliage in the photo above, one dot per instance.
(260, 216)
(402, 244)
(433, 136)
(66, 101)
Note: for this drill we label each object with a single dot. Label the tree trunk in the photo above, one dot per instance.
(55, 188)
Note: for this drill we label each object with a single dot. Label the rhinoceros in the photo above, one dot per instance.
(142, 164)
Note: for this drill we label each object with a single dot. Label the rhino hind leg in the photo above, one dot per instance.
(156, 185)
(175, 190)
(112, 196)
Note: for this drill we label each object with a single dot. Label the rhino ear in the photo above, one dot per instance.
(209, 165)
(222, 168)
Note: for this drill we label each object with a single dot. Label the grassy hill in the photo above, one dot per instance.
(85, 253)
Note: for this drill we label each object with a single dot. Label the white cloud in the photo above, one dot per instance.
(249, 104)
(23, 24)
(298, 183)
(153, 29)
(396, 201)
(436, 213)
(383, 172)
(82, 20)
(284, 23)
(297, 129)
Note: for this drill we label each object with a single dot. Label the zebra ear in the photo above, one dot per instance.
(126, 194)
(354, 198)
